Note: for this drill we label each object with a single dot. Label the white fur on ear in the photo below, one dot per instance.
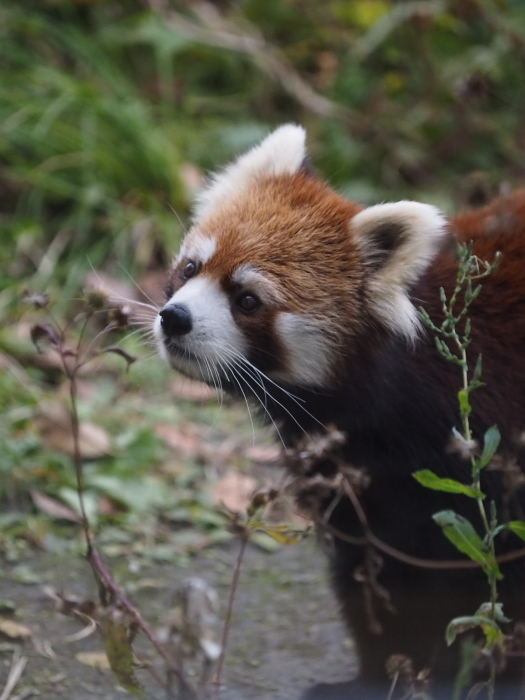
(281, 153)
(399, 241)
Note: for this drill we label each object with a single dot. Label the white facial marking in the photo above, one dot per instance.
(197, 247)
(214, 335)
(422, 228)
(281, 153)
(307, 348)
(247, 276)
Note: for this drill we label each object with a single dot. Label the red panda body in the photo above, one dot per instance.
(285, 292)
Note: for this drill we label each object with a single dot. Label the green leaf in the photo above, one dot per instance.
(460, 532)
(490, 445)
(459, 625)
(485, 610)
(476, 375)
(265, 542)
(430, 480)
(116, 638)
(517, 527)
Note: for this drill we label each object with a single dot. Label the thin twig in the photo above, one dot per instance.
(99, 570)
(393, 686)
(411, 559)
(15, 673)
(103, 574)
(229, 611)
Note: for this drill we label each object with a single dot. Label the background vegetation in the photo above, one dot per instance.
(111, 111)
(108, 106)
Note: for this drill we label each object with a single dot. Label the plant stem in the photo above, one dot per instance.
(477, 482)
(229, 611)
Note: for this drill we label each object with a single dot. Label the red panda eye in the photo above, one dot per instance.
(248, 303)
(189, 270)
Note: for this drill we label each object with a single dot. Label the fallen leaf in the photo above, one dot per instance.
(190, 390)
(186, 441)
(54, 426)
(95, 659)
(262, 455)
(14, 630)
(233, 490)
(108, 507)
(54, 508)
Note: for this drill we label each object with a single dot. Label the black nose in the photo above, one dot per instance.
(176, 320)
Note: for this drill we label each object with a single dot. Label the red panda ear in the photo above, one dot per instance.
(398, 242)
(283, 152)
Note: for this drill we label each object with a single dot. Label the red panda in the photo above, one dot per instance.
(285, 292)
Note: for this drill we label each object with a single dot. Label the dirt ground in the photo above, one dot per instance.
(285, 632)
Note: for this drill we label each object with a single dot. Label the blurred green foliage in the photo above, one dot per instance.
(105, 103)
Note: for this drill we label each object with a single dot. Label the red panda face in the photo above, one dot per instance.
(266, 279)
(279, 275)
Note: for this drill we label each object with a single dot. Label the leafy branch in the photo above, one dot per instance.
(452, 339)
(119, 618)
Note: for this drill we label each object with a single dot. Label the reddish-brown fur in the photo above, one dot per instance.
(277, 224)
(498, 315)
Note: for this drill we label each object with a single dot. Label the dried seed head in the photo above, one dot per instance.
(402, 666)
(120, 317)
(43, 332)
(96, 298)
(513, 476)
(38, 301)
(261, 499)
(462, 447)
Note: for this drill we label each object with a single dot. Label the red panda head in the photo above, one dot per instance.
(280, 276)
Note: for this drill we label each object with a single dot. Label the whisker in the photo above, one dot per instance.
(278, 386)
(178, 217)
(154, 305)
(234, 354)
(263, 404)
(236, 377)
(118, 298)
(216, 381)
(127, 336)
(266, 393)
(134, 302)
